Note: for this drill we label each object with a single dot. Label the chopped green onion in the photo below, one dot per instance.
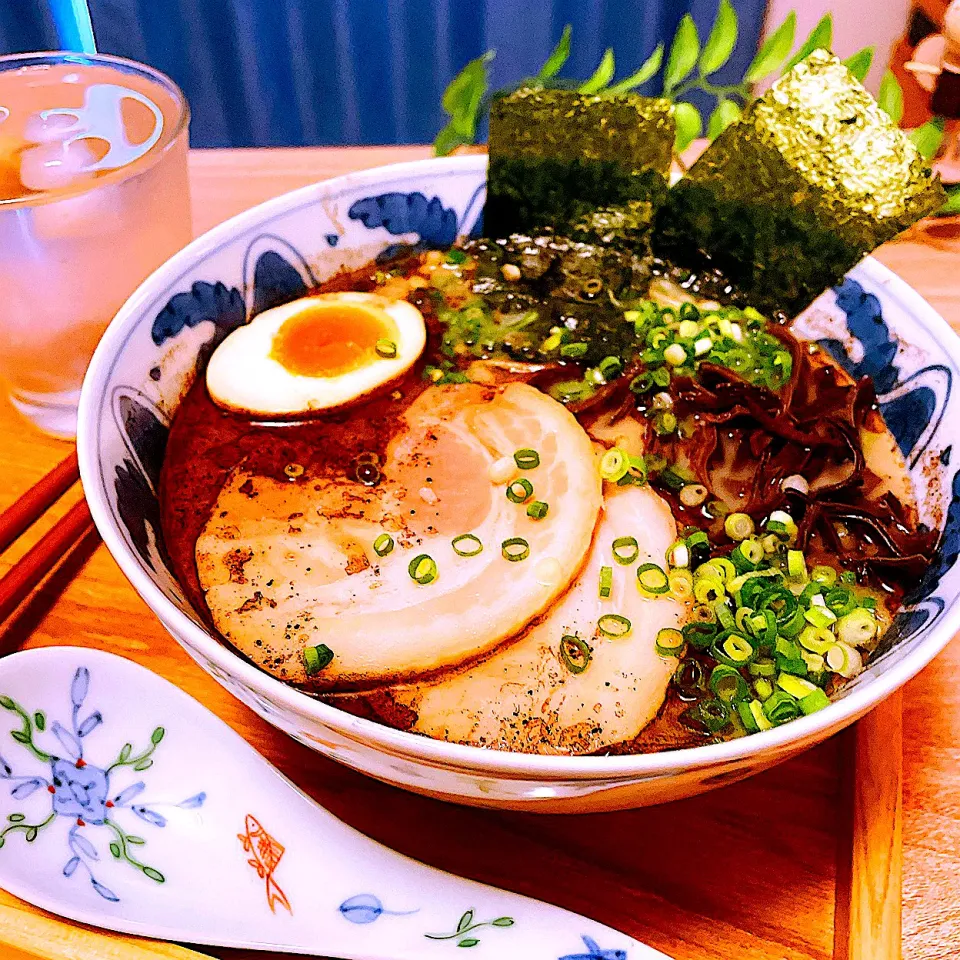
(868, 603)
(606, 581)
(626, 550)
(796, 565)
(610, 367)
(759, 715)
(700, 635)
(681, 583)
(316, 658)
(738, 649)
(841, 601)
(383, 545)
(614, 625)
(664, 423)
(845, 660)
(708, 590)
(814, 701)
(574, 350)
(675, 355)
(727, 683)
(456, 256)
(670, 642)
(814, 661)
(385, 348)
(848, 576)
(515, 548)
(780, 707)
(527, 459)
(857, 628)
(762, 687)
(575, 654)
(724, 614)
(820, 616)
(693, 494)
(423, 569)
(763, 667)
(697, 540)
(466, 545)
(537, 510)
(824, 574)
(651, 578)
(712, 714)
(678, 554)
(816, 639)
(795, 686)
(739, 526)
(520, 490)
(614, 465)
(747, 555)
(661, 377)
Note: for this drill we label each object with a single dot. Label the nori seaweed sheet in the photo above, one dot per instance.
(556, 156)
(785, 201)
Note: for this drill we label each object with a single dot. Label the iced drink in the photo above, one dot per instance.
(93, 198)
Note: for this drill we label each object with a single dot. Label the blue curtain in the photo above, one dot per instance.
(295, 72)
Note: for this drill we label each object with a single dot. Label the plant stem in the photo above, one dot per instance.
(26, 827)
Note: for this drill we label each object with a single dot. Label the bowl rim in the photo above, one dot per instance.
(789, 738)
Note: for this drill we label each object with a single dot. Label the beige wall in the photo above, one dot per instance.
(856, 24)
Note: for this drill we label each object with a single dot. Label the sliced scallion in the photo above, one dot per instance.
(383, 545)
(316, 658)
(385, 348)
(614, 465)
(626, 550)
(520, 490)
(681, 584)
(614, 625)
(670, 642)
(857, 628)
(537, 510)
(606, 582)
(515, 549)
(652, 579)
(467, 545)
(575, 654)
(423, 568)
(527, 459)
(739, 526)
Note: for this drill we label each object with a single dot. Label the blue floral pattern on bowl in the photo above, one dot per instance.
(872, 323)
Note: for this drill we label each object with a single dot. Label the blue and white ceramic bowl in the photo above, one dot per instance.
(873, 323)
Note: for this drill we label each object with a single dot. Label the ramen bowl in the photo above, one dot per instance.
(872, 322)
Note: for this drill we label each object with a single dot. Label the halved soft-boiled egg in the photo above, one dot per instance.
(314, 354)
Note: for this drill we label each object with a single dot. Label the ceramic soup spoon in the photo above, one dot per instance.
(127, 805)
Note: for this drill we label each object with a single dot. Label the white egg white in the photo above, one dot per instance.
(242, 376)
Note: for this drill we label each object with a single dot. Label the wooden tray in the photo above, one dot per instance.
(802, 862)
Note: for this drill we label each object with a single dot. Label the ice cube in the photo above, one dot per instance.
(50, 129)
(56, 166)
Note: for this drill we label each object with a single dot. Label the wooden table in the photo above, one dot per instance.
(747, 872)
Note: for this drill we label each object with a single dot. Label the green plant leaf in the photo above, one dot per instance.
(503, 922)
(153, 874)
(953, 202)
(468, 942)
(7, 703)
(683, 53)
(722, 39)
(31, 835)
(143, 765)
(19, 736)
(773, 51)
(136, 840)
(115, 850)
(602, 75)
(40, 720)
(859, 63)
(560, 55)
(821, 37)
(647, 71)
(17, 817)
(689, 124)
(890, 96)
(465, 921)
(462, 100)
(125, 752)
(928, 137)
(157, 735)
(725, 113)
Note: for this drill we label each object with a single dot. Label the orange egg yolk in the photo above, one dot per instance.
(330, 339)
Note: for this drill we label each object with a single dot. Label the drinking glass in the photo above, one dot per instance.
(93, 197)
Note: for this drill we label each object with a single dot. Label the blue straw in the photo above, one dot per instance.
(74, 27)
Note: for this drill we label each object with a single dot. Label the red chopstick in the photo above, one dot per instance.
(53, 546)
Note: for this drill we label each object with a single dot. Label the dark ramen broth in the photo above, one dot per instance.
(207, 443)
